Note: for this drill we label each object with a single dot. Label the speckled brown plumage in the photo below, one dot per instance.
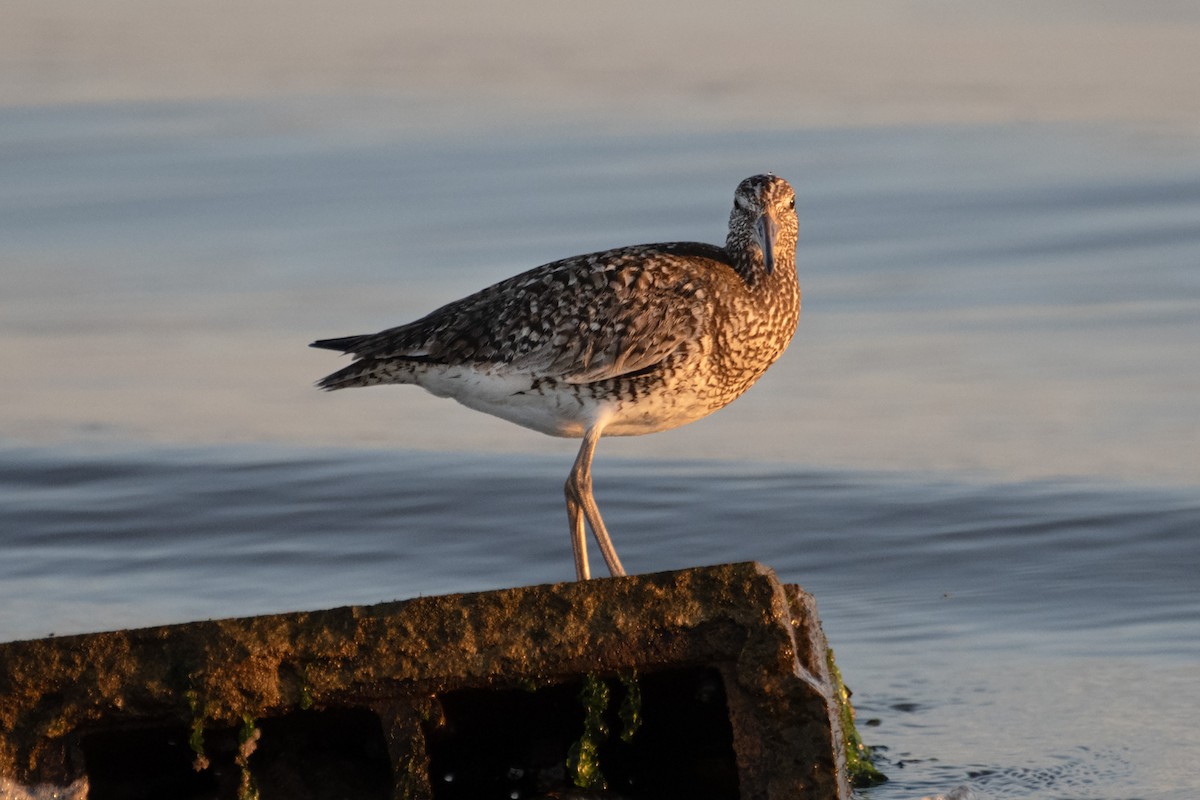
(621, 342)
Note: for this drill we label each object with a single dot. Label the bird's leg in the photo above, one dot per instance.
(578, 542)
(582, 505)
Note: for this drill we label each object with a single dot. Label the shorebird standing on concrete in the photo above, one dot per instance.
(619, 343)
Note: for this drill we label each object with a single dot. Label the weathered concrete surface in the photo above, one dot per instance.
(229, 680)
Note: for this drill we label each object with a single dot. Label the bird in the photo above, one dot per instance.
(622, 342)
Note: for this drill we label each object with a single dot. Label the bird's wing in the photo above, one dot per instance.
(626, 329)
(628, 311)
(583, 319)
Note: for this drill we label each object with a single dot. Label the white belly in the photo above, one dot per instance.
(559, 409)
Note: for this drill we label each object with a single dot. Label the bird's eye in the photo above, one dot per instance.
(792, 204)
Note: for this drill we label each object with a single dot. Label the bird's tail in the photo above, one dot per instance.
(346, 344)
(368, 369)
(360, 373)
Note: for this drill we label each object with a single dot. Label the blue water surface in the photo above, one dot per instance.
(979, 454)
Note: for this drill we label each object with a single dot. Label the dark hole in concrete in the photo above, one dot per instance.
(513, 743)
(142, 764)
(305, 755)
(314, 755)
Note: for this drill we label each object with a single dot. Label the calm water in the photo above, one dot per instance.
(1027, 639)
(979, 455)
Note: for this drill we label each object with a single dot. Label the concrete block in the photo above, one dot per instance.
(722, 671)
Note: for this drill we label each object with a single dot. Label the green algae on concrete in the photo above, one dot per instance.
(583, 759)
(860, 765)
(377, 671)
(196, 739)
(248, 737)
(631, 705)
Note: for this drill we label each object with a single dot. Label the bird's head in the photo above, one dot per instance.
(763, 225)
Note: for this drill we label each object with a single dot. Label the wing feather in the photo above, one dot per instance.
(583, 319)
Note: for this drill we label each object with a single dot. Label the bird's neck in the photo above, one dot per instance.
(748, 263)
